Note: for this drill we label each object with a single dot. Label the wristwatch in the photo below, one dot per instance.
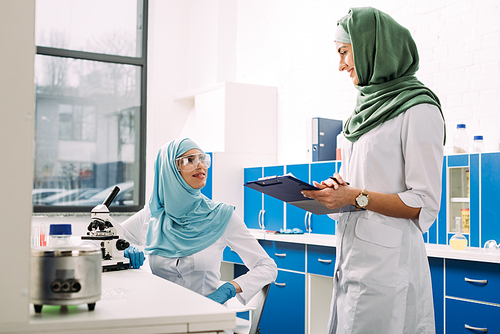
(362, 200)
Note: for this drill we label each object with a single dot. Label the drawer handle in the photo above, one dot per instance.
(325, 261)
(280, 284)
(484, 330)
(479, 281)
(280, 255)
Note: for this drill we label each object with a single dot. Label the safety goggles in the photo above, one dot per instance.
(190, 162)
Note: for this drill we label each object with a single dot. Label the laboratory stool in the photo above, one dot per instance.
(255, 306)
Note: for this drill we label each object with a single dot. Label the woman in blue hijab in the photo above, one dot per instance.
(185, 233)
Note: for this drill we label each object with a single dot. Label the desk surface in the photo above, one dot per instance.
(133, 301)
(433, 250)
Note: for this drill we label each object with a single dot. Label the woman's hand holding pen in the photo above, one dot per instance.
(334, 192)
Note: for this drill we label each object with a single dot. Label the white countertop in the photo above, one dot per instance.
(433, 250)
(133, 301)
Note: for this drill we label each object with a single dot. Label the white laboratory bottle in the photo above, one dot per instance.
(60, 236)
(478, 145)
(338, 153)
(460, 140)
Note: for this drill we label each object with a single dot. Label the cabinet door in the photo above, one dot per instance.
(473, 280)
(287, 255)
(231, 256)
(323, 224)
(274, 208)
(284, 311)
(320, 260)
(469, 317)
(437, 277)
(252, 198)
(296, 217)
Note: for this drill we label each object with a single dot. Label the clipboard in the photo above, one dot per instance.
(287, 188)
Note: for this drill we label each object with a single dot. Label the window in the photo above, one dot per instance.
(90, 75)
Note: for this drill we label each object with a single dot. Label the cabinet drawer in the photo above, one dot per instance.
(473, 280)
(287, 255)
(231, 256)
(471, 318)
(320, 260)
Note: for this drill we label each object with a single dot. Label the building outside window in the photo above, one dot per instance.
(90, 76)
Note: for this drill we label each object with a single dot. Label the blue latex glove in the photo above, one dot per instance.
(136, 257)
(223, 293)
(291, 231)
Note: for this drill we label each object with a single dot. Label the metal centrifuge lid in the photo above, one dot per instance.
(65, 252)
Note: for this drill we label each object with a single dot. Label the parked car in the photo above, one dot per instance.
(124, 197)
(70, 195)
(38, 195)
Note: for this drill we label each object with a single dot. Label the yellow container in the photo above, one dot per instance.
(468, 187)
(465, 220)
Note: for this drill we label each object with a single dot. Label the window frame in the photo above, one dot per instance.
(122, 60)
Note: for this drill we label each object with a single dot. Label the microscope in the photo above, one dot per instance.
(105, 233)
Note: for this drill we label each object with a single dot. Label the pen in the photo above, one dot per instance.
(336, 181)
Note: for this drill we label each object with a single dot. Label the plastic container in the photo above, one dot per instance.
(461, 140)
(478, 145)
(41, 237)
(458, 241)
(60, 236)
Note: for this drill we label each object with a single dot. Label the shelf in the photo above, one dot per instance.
(460, 200)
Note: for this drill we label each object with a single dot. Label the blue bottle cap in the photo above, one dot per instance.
(460, 126)
(60, 229)
(478, 137)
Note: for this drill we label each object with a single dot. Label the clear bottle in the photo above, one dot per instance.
(478, 145)
(460, 140)
(60, 236)
(458, 241)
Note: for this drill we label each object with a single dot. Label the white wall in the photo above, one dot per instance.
(192, 45)
(17, 98)
(289, 44)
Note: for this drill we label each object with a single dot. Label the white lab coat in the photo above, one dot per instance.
(382, 280)
(200, 272)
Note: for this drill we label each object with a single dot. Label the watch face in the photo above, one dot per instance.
(362, 200)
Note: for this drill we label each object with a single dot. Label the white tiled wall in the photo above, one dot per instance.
(288, 44)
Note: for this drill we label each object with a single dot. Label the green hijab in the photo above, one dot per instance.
(386, 60)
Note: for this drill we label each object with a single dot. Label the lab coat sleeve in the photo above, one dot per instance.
(422, 143)
(262, 269)
(135, 228)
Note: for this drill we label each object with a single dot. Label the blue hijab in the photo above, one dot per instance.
(183, 220)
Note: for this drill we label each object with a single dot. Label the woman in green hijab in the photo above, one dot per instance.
(392, 159)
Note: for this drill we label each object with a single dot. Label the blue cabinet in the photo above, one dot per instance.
(472, 297)
(284, 311)
(262, 211)
(252, 199)
(230, 255)
(296, 217)
(320, 260)
(468, 318)
(322, 224)
(273, 217)
(473, 280)
(436, 266)
(287, 255)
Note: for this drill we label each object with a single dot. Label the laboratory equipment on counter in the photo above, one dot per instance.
(65, 274)
(478, 145)
(490, 245)
(458, 240)
(105, 232)
(461, 140)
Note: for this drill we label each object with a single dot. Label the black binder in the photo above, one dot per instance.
(287, 188)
